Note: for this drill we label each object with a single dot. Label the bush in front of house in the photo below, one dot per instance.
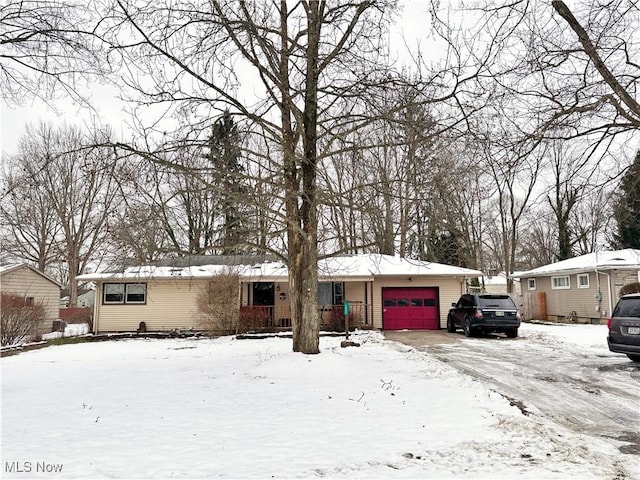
(21, 318)
(218, 304)
(630, 288)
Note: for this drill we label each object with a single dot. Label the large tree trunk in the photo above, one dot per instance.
(300, 192)
(304, 259)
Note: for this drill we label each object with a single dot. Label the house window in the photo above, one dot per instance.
(136, 293)
(133, 293)
(330, 293)
(338, 293)
(531, 283)
(558, 283)
(113, 292)
(29, 301)
(583, 280)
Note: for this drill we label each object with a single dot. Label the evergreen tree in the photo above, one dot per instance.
(447, 247)
(224, 151)
(627, 208)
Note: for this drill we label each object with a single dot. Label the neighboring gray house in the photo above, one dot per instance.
(580, 289)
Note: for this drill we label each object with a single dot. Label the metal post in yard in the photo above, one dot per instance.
(345, 310)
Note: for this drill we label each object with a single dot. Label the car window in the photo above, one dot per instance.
(496, 301)
(627, 307)
(465, 301)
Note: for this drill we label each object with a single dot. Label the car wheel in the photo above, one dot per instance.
(451, 327)
(634, 358)
(468, 331)
(512, 333)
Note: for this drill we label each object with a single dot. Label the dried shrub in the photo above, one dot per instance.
(218, 304)
(335, 321)
(630, 288)
(254, 319)
(20, 320)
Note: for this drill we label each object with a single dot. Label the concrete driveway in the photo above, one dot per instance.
(423, 338)
(595, 395)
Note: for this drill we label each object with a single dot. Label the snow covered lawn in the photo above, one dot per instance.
(228, 408)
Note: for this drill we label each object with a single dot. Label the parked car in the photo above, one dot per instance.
(624, 327)
(484, 313)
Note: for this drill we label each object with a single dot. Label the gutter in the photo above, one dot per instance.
(608, 290)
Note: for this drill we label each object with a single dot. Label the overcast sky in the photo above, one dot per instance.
(412, 25)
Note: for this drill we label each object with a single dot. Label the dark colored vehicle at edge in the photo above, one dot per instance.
(624, 327)
(484, 313)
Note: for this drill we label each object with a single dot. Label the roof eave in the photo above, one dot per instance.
(572, 271)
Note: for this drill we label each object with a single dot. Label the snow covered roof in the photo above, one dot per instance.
(10, 267)
(607, 260)
(361, 266)
(374, 265)
(498, 279)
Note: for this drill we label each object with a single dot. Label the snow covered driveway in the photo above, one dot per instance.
(235, 409)
(564, 373)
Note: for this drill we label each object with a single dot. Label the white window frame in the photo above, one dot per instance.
(531, 283)
(555, 286)
(582, 275)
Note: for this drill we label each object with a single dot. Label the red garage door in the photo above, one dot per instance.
(410, 308)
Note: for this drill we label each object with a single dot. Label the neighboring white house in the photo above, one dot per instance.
(382, 291)
(583, 288)
(35, 287)
(497, 283)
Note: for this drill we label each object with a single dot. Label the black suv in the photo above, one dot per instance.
(484, 313)
(624, 327)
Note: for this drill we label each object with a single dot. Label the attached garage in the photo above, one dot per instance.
(410, 308)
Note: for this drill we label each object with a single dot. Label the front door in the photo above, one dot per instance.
(264, 294)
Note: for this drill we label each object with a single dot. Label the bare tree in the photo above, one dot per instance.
(538, 240)
(609, 48)
(46, 46)
(29, 232)
(514, 176)
(79, 184)
(312, 59)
